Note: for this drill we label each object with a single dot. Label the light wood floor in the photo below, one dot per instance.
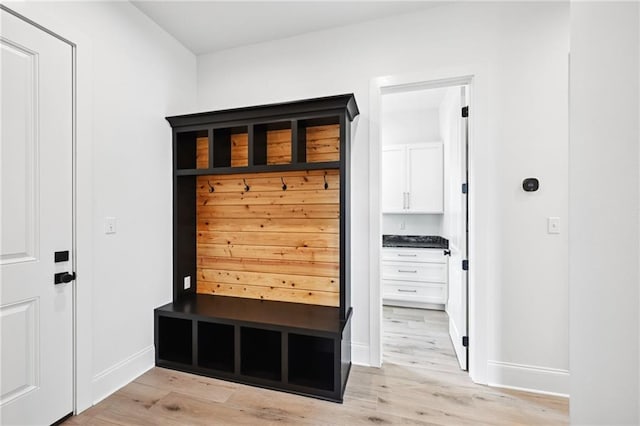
(419, 383)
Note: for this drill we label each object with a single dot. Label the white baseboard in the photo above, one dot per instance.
(360, 354)
(113, 378)
(547, 381)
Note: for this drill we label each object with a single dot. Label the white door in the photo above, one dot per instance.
(457, 210)
(425, 178)
(36, 362)
(393, 179)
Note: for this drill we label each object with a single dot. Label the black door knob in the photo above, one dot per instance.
(64, 277)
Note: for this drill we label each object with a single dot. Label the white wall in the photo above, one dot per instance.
(412, 224)
(522, 130)
(131, 74)
(603, 206)
(413, 125)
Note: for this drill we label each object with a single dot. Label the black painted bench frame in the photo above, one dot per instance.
(299, 348)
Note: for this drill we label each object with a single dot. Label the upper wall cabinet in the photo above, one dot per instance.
(413, 178)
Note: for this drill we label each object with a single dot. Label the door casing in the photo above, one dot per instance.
(473, 77)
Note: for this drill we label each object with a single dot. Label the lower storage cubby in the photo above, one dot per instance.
(277, 345)
(174, 342)
(216, 346)
(261, 353)
(312, 362)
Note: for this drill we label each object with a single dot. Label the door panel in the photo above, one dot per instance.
(426, 191)
(36, 364)
(457, 213)
(19, 327)
(19, 213)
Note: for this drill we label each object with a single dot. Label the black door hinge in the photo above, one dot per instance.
(465, 188)
(465, 112)
(465, 265)
(465, 341)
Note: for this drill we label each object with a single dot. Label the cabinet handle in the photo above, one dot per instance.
(408, 201)
(407, 255)
(408, 271)
(404, 200)
(406, 291)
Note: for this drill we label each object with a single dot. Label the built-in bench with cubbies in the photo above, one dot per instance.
(261, 253)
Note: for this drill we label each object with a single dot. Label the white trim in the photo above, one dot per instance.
(479, 282)
(113, 378)
(360, 354)
(529, 378)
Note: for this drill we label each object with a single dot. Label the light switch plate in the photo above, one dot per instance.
(187, 282)
(553, 225)
(109, 225)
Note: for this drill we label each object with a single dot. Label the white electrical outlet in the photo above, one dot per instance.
(187, 282)
(109, 225)
(553, 225)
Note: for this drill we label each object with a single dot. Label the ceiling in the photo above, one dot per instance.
(209, 26)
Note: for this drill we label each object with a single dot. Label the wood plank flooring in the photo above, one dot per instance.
(419, 383)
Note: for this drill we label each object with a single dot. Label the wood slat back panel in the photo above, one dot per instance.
(269, 243)
(202, 153)
(279, 146)
(239, 150)
(323, 143)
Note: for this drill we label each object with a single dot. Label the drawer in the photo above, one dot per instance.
(417, 292)
(405, 271)
(413, 255)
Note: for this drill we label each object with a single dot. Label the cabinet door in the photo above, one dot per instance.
(393, 178)
(425, 178)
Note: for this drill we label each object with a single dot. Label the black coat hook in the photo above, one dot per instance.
(284, 185)
(326, 184)
(246, 187)
(211, 188)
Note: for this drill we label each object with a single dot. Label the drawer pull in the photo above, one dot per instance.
(406, 291)
(412, 271)
(407, 255)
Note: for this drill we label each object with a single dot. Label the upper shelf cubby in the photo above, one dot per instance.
(300, 135)
(192, 149)
(230, 147)
(272, 143)
(319, 139)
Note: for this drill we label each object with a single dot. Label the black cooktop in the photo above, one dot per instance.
(415, 241)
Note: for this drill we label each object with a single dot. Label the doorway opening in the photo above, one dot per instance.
(423, 224)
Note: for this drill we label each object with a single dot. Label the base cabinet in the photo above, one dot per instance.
(414, 277)
(312, 358)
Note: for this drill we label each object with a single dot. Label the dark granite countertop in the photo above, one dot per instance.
(415, 241)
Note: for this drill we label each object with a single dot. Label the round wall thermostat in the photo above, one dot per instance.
(530, 184)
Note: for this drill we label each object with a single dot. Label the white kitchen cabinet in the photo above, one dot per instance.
(414, 277)
(413, 178)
